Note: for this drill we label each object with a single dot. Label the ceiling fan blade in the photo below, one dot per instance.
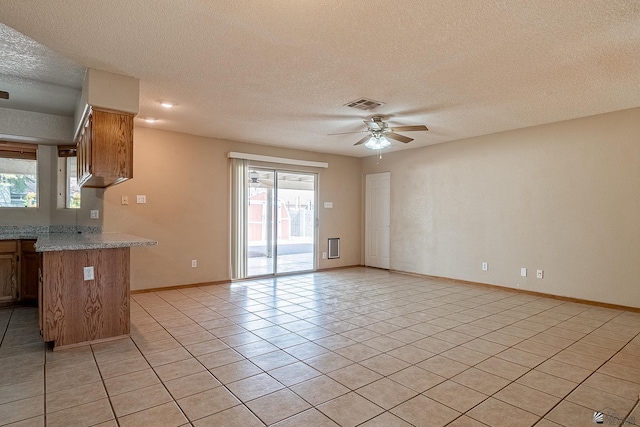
(363, 140)
(348, 133)
(4, 95)
(409, 128)
(397, 137)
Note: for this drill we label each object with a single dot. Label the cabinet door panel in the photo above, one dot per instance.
(112, 151)
(30, 265)
(105, 149)
(77, 310)
(8, 279)
(84, 152)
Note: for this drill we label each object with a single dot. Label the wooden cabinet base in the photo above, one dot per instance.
(77, 311)
(68, 346)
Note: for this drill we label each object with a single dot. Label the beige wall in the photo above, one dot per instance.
(48, 212)
(563, 197)
(186, 181)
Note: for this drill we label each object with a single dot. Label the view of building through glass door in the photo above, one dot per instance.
(281, 225)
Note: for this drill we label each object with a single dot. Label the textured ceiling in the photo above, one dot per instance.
(37, 78)
(278, 72)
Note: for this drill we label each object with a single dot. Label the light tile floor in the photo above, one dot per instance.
(353, 347)
(291, 263)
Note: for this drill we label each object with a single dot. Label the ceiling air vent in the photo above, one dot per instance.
(364, 104)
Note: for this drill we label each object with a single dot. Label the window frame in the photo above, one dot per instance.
(65, 152)
(22, 151)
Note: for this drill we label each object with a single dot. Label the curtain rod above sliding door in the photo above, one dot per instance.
(281, 160)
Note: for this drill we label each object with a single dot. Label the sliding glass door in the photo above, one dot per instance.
(280, 222)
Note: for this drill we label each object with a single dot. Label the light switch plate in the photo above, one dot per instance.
(125, 200)
(88, 273)
(141, 198)
(95, 214)
(540, 274)
(523, 272)
(328, 205)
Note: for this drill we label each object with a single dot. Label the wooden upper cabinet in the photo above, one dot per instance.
(105, 149)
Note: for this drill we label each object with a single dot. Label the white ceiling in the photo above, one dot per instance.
(279, 72)
(37, 78)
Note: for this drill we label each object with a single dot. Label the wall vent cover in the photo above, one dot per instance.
(334, 247)
(364, 104)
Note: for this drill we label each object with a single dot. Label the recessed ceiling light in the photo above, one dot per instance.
(167, 104)
(150, 119)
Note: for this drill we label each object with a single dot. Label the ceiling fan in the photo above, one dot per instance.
(379, 132)
(256, 182)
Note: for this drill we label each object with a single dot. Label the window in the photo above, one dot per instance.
(18, 175)
(67, 165)
(73, 190)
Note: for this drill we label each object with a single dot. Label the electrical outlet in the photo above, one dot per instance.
(125, 200)
(95, 214)
(485, 266)
(324, 255)
(88, 273)
(523, 272)
(141, 199)
(540, 274)
(194, 263)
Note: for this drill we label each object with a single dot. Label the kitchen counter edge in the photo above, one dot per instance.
(84, 241)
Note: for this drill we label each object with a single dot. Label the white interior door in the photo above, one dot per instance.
(377, 220)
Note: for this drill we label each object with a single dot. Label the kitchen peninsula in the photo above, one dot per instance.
(84, 287)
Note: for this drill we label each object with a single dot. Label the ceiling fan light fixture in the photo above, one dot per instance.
(377, 143)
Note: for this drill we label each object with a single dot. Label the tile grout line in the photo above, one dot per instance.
(387, 352)
(337, 333)
(326, 374)
(626, 418)
(242, 403)
(592, 371)
(44, 400)
(115, 417)
(530, 369)
(44, 381)
(248, 359)
(156, 374)
(6, 328)
(302, 361)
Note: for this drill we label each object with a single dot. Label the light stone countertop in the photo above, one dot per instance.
(17, 232)
(80, 241)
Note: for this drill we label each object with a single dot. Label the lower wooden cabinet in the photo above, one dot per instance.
(9, 273)
(19, 270)
(30, 264)
(76, 311)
